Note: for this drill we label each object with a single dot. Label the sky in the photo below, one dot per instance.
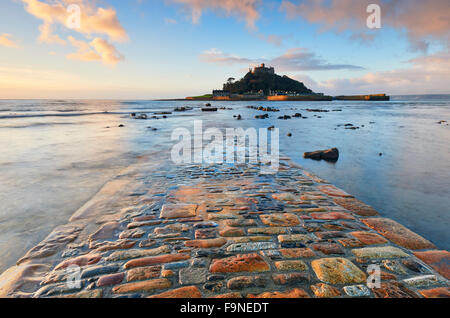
(147, 49)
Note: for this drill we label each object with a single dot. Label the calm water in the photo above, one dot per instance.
(55, 155)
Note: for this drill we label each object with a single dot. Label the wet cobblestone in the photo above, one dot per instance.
(228, 231)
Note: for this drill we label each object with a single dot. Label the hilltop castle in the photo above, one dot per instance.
(262, 83)
(262, 69)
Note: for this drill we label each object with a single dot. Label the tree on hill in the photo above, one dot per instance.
(231, 80)
(255, 82)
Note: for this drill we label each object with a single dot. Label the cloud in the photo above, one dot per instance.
(93, 20)
(47, 35)
(244, 9)
(425, 75)
(6, 40)
(108, 53)
(421, 20)
(84, 51)
(97, 50)
(293, 60)
(301, 59)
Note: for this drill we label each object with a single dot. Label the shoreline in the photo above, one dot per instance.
(307, 227)
(283, 98)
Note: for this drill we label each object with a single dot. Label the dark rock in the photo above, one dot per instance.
(293, 245)
(140, 116)
(317, 110)
(211, 109)
(182, 109)
(328, 155)
(213, 278)
(414, 266)
(214, 287)
(291, 279)
(264, 109)
(243, 282)
(99, 270)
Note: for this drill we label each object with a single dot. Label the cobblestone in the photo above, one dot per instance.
(228, 232)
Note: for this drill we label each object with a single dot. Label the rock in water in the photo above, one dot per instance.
(328, 155)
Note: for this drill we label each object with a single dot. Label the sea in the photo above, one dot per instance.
(57, 154)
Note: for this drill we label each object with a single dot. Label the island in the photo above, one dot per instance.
(262, 83)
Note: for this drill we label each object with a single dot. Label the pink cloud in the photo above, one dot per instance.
(96, 50)
(108, 53)
(7, 41)
(84, 51)
(425, 75)
(93, 20)
(245, 9)
(422, 20)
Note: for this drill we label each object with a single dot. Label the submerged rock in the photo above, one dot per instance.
(182, 109)
(317, 110)
(138, 116)
(209, 109)
(328, 155)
